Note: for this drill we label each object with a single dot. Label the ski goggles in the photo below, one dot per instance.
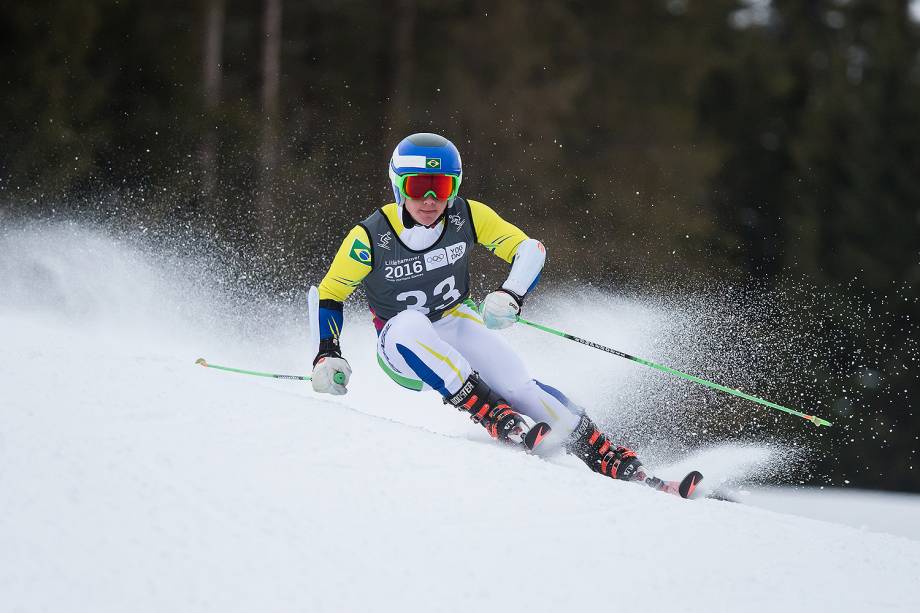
(441, 187)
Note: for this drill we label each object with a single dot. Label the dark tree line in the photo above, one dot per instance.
(725, 140)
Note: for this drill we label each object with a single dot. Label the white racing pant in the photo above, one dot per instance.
(422, 355)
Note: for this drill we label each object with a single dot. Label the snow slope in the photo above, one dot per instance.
(133, 480)
(890, 512)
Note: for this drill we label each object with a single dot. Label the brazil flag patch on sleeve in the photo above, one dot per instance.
(360, 252)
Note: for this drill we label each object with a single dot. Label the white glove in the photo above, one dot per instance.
(499, 310)
(324, 373)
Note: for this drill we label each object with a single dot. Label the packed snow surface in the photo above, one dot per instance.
(133, 480)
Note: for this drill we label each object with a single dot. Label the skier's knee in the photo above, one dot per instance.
(409, 322)
(409, 317)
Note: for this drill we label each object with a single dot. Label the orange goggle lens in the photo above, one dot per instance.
(417, 186)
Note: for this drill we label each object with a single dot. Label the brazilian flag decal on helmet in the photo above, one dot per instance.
(433, 162)
(360, 252)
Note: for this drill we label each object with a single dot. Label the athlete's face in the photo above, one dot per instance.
(426, 210)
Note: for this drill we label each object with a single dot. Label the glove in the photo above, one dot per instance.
(324, 372)
(500, 309)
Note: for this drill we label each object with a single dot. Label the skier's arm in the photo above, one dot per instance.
(352, 262)
(526, 255)
(507, 241)
(350, 265)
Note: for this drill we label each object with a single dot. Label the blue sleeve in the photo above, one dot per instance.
(330, 319)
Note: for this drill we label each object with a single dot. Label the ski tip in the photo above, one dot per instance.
(201, 361)
(536, 435)
(689, 483)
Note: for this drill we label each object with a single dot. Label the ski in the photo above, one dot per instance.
(683, 488)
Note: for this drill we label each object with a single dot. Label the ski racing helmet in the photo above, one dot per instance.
(424, 154)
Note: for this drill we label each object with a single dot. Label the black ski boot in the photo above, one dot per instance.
(593, 447)
(500, 420)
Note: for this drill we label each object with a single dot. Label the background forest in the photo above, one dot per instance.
(655, 146)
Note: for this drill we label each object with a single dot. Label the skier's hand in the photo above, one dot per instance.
(324, 374)
(500, 309)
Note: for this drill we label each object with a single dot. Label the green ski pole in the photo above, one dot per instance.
(813, 419)
(338, 377)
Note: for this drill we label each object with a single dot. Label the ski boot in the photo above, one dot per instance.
(594, 449)
(501, 421)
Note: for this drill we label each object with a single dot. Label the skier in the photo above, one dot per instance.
(412, 257)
